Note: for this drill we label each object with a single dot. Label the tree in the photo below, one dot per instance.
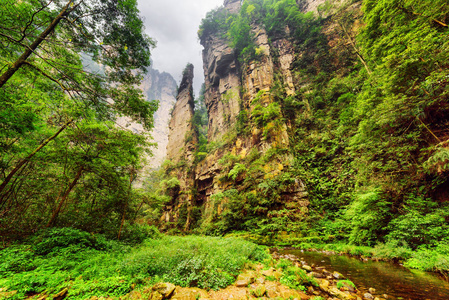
(68, 67)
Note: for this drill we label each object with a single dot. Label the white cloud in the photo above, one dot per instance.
(174, 25)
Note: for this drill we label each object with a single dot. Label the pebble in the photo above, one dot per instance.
(338, 275)
(307, 268)
(368, 296)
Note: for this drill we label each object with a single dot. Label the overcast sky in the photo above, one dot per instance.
(174, 25)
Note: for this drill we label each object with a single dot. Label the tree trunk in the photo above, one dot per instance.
(64, 198)
(29, 50)
(26, 159)
(125, 206)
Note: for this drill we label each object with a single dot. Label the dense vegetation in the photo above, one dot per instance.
(368, 125)
(64, 161)
(368, 129)
(56, 259)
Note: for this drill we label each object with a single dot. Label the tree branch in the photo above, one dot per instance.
(26, 159)
(46, 75)
(32, 19)
(21, 60)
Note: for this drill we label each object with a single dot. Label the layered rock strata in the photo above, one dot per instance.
(181, 148)
(182, 137)
(239, 96)
(222, 81)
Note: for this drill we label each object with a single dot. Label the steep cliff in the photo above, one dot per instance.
(181, 147)
(246, 126)
(320, 116)
(182, 136)
(222, 80)
(162, 87)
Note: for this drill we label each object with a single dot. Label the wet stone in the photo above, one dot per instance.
(368, 296)
(317, 275)
(338, 275)
(307, 268)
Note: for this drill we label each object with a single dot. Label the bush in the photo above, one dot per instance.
(428, 258)
(294, 277)
(53, 239)
(111, 270)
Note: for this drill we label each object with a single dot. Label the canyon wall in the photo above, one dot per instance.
(248, 131)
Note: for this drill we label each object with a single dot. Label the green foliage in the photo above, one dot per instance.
(262, 115)
(237, 170)
(112, 270)
(431, 258)
(365, 125)
(63, 159)
(343, 283)
(368, 215)
(295, 277)
(215, 22)
(415, 229)
(55, 239)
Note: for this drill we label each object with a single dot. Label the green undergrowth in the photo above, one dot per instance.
(433, 258)
(93, 266)
(430, 257)
(295, 277)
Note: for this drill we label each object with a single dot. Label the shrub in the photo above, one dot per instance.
(112, 270)
(54, 239)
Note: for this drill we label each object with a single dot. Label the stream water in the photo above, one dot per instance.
(394, 280)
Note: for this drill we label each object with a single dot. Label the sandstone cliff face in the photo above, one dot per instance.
(182, 136)
(250, 89)
(222, 81)
(162, 87)
(181, 147)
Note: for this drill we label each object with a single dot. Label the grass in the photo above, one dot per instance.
(93, 266)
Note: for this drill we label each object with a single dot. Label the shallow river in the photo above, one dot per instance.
(386, 278)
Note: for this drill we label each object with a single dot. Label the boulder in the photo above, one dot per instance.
(246, 277)
(134, 295)
(368, 296)
(317, 275)
(334, 291)
(271, 289)
(307, 268)
(190, 294)
(268, 273)
(156, 296)
(259, 290)
(164, 288)
(324, 285)
(260, 280)
(241, 283)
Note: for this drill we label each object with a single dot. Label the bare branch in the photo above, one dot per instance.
(32, 20)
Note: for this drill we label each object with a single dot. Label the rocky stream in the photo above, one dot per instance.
(333, 274)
